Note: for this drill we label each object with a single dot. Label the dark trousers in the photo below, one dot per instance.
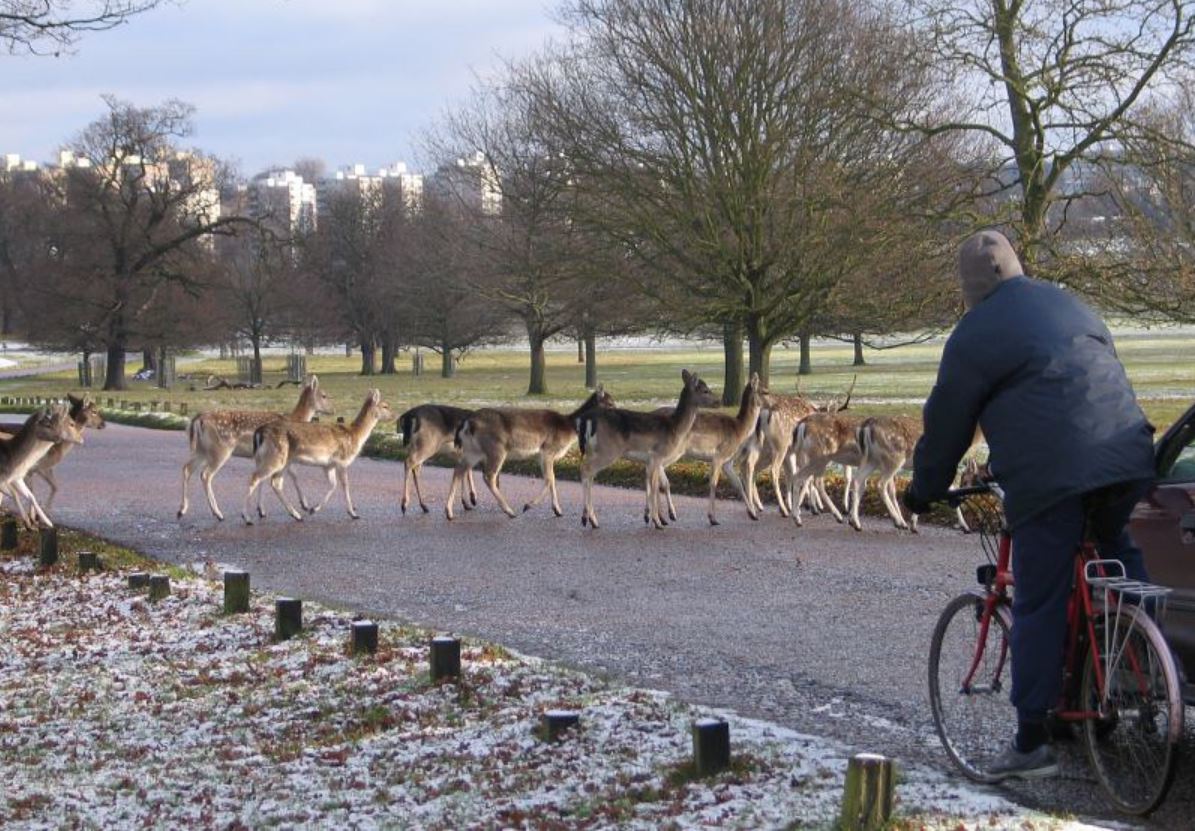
(1043, 566)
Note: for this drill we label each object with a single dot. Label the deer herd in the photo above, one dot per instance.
(792, 437)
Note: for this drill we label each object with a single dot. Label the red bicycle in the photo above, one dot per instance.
(1120, 682)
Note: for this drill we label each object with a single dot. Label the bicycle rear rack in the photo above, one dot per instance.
(1115, 586)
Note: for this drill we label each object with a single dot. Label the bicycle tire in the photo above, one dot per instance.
(1134, 749)
(974, 725)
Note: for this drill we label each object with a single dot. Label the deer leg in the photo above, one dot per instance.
(330, 472)
(206, 476)
(653, 497)
(472, 491)
(187, 470)
(665, 490)
(847, 491)
(550, 473)
(51, 480)
(825, 496)
(887, 493)
(544, 466)
(859, 484)
(491, 471)
(739, 488)
(750, 459)
(343, 474)
(416, 470)
(276, 482)
(458, 473)
(775, 468)
(34, 514)
(11, 491)
(715, 472)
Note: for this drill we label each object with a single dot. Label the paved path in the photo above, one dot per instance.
(821, 629)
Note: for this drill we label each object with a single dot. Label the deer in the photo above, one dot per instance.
(85, 413)
(716, 438)
(607, 435)
(492, 435)
(18, 455)
(886, 445)
(280, 443)
(427, 430)
(822, 438)
(217, 435)
(773, 437)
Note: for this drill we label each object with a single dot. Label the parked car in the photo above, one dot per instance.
(1163, 524)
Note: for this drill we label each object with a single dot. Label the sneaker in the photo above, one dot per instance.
(1013, 764)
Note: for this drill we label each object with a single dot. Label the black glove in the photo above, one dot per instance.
(914, 503)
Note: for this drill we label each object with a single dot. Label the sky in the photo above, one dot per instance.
(347, 81)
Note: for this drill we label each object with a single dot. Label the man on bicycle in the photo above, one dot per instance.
(1037, 370)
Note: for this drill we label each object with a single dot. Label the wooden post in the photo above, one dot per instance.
(159, 587)
(365, 637)
(711, 746)
(445, 658)
(182, 408)
(236, 592)
(288, 618)
(8, 534)
(48, 548)
(88, 561)
(867, 795)
(556, 722)
(138, 580)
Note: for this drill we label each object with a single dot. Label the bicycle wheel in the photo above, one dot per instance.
(1133, 747)
(976, 719)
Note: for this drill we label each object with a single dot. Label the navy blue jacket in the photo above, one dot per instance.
(1036, 368)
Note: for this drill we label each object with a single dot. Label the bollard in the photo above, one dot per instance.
(711, 746)
(365, 637)
(138, 580)
(867, 795)
(445, 658)
(288, 618)
(88, 561)
(8, 534)
(182, 408)
(159, 587)
(556, 722)
(236, 592)
(48, 547)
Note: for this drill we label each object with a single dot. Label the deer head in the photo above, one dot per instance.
(56, 425)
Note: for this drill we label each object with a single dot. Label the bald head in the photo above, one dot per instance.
(984, 261)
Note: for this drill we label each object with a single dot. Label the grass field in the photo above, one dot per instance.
(1160, 364)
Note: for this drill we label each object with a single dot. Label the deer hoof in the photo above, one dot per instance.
(473, 499)
(557, 511)
(403, 508)
(180, 513)
(672, 515)
(714, 521)
(355, 515)
(426, 510)
(527, 507)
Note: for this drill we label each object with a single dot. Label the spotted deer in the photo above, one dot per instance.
(493, 435)
(217, 435)
(280, 443)
(610, 434)
(427, 430)
(819, 440)
(82, 411)
(772, 441)
(716, 439)
(886, 445)
(19, 454)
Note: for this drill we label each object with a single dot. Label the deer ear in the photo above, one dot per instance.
(685, 375)
(73, 399)
(375, 395)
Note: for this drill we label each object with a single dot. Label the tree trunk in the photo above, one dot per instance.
(388, 353)
(806, 361)
(447, 364)
(859, 351)
(732, 370)
(114, 375)
(255, 371)
(581, 350)
(223, 351)
(759, 353)
(309, 346)
(149, 360)
(539, 381)
(6, 322)
(368, 354)
(591, 360)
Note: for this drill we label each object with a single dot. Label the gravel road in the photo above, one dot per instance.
(821, 629)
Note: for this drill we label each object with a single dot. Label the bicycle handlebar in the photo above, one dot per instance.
(956, 496)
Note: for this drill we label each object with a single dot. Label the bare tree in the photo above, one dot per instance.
(50, 27)
(718, 141)
(1050, 85)
(132, 211)
(520, 194)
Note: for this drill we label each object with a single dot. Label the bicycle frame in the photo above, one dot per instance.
(1080, 616)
